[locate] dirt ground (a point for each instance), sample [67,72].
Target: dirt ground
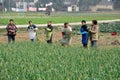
[105,39]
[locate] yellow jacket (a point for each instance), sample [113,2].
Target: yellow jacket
[48,32]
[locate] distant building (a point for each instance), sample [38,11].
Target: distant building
[24,6]
[103,5]
[71,5]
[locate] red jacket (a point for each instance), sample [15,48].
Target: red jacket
[11,29]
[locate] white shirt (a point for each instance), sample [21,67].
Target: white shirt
[69,29]
[32,32]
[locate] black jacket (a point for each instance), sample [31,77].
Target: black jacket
[84,27]
[50,27]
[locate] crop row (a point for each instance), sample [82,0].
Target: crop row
[103,27]
[36,61]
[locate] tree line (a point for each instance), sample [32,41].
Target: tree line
[59,4]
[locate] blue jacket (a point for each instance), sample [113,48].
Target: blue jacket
[84,33]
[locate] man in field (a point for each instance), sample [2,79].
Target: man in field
[66,34]
[11,31]
[84,32]
[49,32]
[32,29]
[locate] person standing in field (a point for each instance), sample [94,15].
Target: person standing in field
[32,29]
[66,34]
[11,31]
[49,32]
[94,33]
[84,33]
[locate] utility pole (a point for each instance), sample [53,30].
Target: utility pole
[9,6]
[77,2]
[3,8]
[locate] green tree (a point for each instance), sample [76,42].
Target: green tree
[58,4]
[84,4]
[9,4]
[116,4]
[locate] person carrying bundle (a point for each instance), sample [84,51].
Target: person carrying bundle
[32,29]
[66,34]
[49,32]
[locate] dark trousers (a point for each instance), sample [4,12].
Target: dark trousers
[94,43]
[32,40]
[50,41]
[11,38]
[85,45]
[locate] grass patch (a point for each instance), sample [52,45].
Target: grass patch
[41,18]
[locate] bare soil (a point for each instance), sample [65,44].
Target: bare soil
[105,39]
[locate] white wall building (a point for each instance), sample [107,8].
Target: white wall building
[72,5]
[22,6]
